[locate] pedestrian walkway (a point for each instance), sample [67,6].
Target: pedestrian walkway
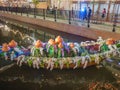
[82,31]
[105,26]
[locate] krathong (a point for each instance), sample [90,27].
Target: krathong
[59,54]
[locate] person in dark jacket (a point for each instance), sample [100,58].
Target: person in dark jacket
[89,15]
[89,12]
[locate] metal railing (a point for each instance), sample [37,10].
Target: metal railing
[64,16]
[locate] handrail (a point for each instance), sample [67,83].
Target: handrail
[67,16]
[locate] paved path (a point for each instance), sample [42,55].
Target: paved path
[105,26]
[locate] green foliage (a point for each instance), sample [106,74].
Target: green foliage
[35,2]
[104,48]
[79,62]
[71,54]
[92,58]
[42,64]
[67,64]
[56,64]
[30,62]
[2,54]
[51,51]
[59,53]
[37,52]
[118,45]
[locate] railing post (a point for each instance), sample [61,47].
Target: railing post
[21,11]
[7,9]
[35,12]
[69,16]
[4,9]
[11,9]
[114,22]
[16,9]
[88,24]
[44,14]
[55,14]
[28,11]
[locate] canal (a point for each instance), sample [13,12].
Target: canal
[25,78]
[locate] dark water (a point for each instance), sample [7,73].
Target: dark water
[25,78]
[22,78]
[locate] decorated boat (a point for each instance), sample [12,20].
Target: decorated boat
[59,54]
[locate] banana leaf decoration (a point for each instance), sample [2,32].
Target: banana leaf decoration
[60,50]
[1,52]
[72,50]
[37,49]
[79,62]
[92,58]
[118,45]
[84,53]
[42,64]
[59,53]
[51,48]
[30,62]
[56,63]
[51,51]
[104,48]
[67,62]
[37,52]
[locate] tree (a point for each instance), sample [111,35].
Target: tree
[35,2]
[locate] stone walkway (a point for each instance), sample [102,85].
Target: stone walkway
[105,26]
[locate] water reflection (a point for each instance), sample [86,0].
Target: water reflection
[57,79]
[21,37]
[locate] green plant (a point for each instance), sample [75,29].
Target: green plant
[35,2]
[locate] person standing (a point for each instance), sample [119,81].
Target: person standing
[89,15]
[103,13]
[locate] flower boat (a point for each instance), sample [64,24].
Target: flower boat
[59,54]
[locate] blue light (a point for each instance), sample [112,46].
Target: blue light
[82,10]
